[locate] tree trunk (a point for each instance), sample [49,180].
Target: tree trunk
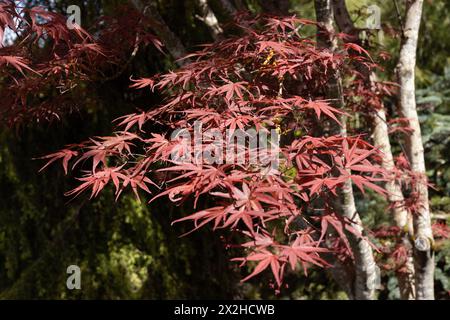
[395,197]
[423,244]
[381,140]
[169,39]
[366,272]
[210,19]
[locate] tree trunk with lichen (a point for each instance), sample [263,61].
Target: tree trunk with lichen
[380,135]
[423,244]
[209,19]
[366,272]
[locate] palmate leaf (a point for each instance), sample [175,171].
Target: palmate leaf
[201,218]
[17,62]
[130,120]
[304,255]
[339,224]
[231,89]
[320,107]
[265,259]
[97,182]
[120,179]
[357,48]
[65,155]
[361,182]
[142,83]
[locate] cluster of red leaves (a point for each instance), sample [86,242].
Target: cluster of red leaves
[367,97]
[410,182]
[45,68]
[441,230]
[393,254]
[393,251]
[270,76]
[400,125]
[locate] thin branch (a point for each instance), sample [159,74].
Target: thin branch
[399,17]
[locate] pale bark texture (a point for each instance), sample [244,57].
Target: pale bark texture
[366,272]
[406,281]
[381,139]
[210,19]
[423,244]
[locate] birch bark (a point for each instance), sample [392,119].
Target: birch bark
[423,244]
[210,19]
[366,272]
[380,134]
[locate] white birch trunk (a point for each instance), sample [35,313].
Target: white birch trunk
[395,198]
[366,272]
[423,244]
[210,19]
[381,140]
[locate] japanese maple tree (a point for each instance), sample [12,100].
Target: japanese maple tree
[274,134]
[269,78]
